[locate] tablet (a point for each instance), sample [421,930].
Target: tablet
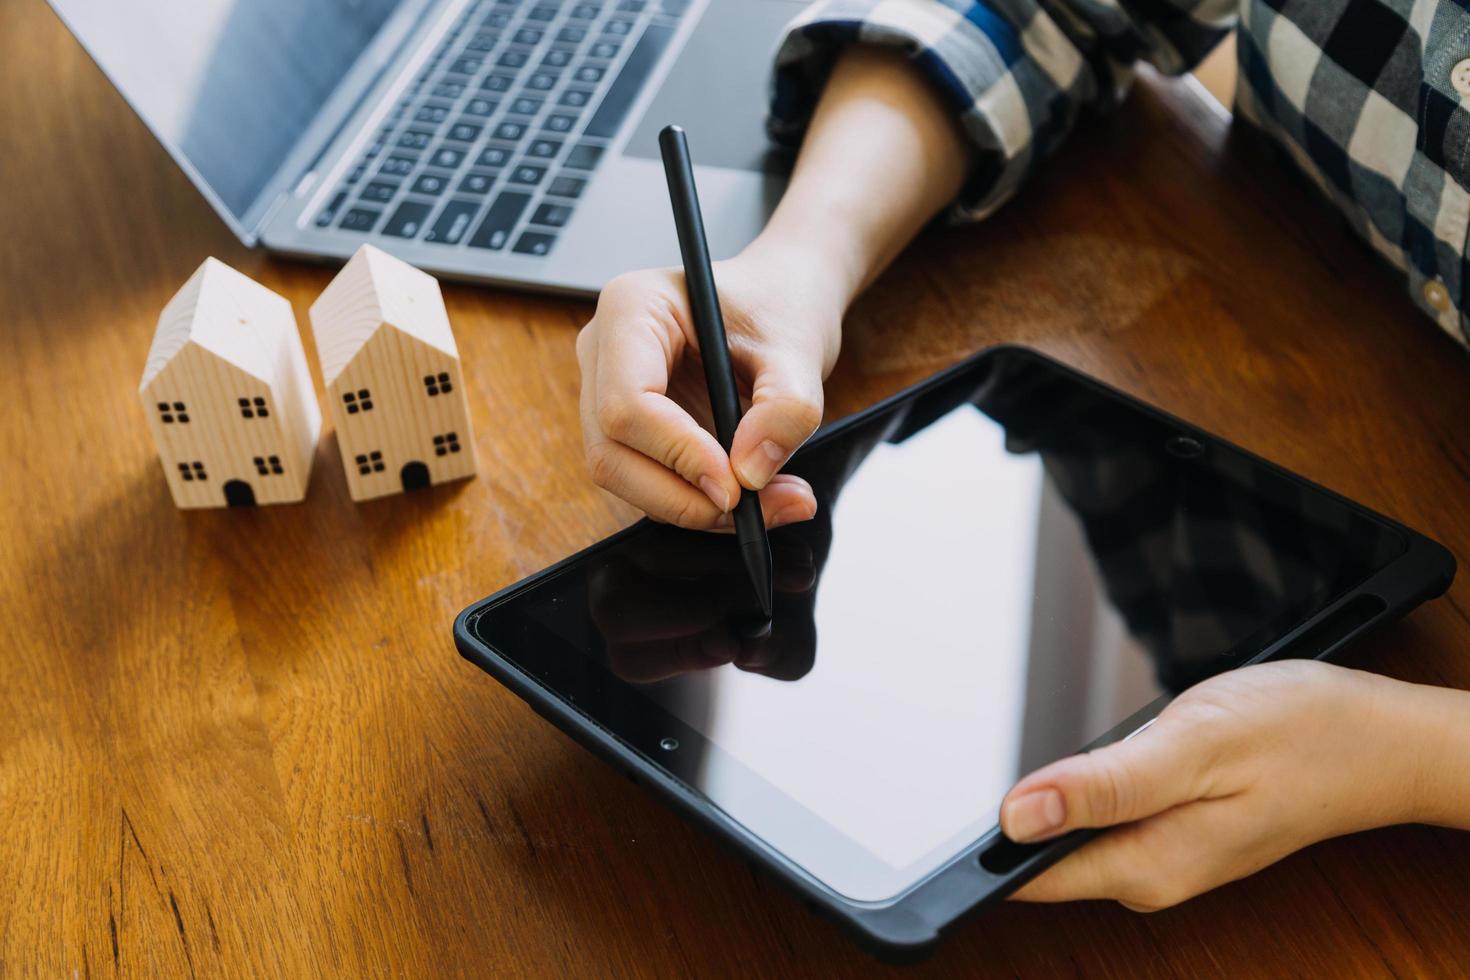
[1010,562]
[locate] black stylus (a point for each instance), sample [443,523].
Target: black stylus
[719,373]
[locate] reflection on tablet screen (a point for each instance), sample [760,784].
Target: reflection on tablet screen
[1001,572]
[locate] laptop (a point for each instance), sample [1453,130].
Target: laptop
[504,141]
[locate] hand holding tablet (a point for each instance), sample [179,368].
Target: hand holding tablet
[1235,774]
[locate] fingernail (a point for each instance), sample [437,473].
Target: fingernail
[716,493]
[1034,815]
[726,519]
[757,469]
[790,514]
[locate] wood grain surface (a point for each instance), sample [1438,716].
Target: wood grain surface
[241,743]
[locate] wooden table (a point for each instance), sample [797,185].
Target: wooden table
[241,743]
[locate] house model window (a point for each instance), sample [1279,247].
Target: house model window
[437,383]
[175,412]
[370,462]
[193,471]
[266,465]
[360,400]
[253,408]
[447,443]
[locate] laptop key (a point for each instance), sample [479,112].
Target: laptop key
[543,13]
[571,35]
[534,243]
[620,26]
[556,58]
[476,183]
[584,11]
[512,59]
[447,157]
[465,66]
[480,107]
[559,123]
[453,222]
[584,156]
[494,156]
[356,175]
[431,114]
[527,35]
[408,220]
[526,106]
[463,132]
[380,191]
[527,174]
[482,42]
[360,219]
[589,74]
[543,149]
[567,187]
[500,220]
[552,215]
[431,184]
[542,81]
[497,83]
[397,166]
[510,131]
[619,98]
[449,90]
[574,97]
[603,49]
[330,211]
[414,139]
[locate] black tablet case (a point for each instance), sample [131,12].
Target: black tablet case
[907,927]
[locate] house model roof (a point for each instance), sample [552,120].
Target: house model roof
[229,315]
[375,290]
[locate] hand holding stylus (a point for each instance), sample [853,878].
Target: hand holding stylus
[645,415]
[645,408]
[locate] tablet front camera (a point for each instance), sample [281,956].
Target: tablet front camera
[1184,447]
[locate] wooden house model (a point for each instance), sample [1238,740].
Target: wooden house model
[392,371]
[228,395]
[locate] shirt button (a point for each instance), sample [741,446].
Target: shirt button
[1436,295]
[1460,77]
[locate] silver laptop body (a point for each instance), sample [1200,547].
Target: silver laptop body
[503,141]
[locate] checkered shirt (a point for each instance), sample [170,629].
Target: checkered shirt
[1365,96]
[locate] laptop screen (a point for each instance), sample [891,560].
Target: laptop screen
[228,86]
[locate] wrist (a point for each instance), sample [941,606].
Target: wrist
[831,271]
[1436,750]
[806,284]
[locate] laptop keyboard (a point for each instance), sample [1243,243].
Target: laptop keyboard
[494,142]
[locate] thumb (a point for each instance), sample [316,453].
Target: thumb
[785,409]
[1120,783]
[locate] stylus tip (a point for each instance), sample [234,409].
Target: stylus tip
[754,628]
[757,555]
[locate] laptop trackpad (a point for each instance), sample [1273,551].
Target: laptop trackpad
[717,88]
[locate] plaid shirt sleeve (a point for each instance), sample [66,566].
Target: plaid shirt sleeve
[1016,72]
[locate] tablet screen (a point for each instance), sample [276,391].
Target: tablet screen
[1005,569]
